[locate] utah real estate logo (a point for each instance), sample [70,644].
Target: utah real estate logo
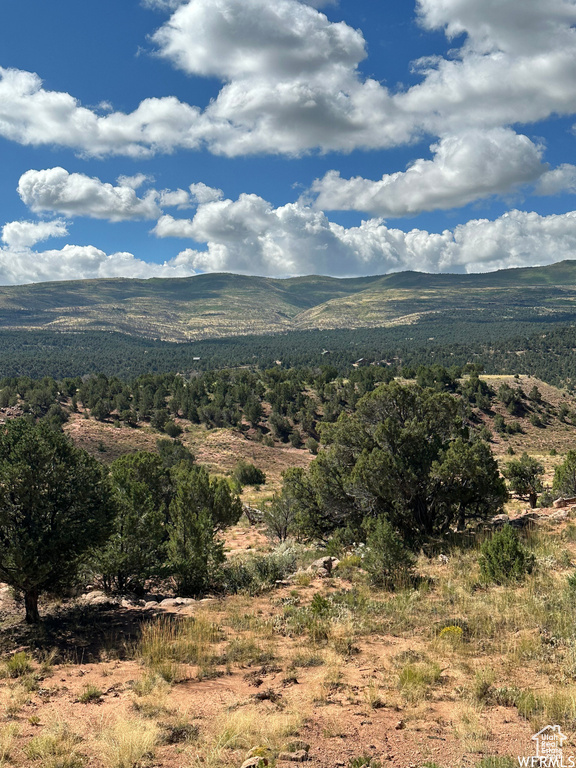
[549,744]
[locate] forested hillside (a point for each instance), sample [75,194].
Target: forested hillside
[213,306]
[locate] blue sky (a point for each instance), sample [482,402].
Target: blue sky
[276,137]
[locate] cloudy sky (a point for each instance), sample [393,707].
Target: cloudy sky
[150,138]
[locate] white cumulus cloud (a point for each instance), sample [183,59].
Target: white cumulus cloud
[465,167]
[75,194]
[23,234]
[561,179]
[202,193]
[291,83]
[250,236]
[290,39]
[75,262]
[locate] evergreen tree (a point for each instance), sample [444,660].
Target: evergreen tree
[135,549]
[201,507]
[525,477]
[564,483]
[55,503]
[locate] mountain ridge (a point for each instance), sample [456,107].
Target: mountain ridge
[216,305]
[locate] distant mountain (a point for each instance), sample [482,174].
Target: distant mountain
[222,305]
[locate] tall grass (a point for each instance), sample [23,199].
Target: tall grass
[56,747]
[165,643]
[127,742]
[8,735]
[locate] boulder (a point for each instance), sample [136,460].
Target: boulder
[499,520]
[300,756]
[98,597]
[93,595]
[560,514]
[176,602]
[327,564]
[5,593]
[523,521]
[297,744]
[255,762]
[562,502]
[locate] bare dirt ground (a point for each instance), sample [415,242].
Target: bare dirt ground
[380,682]
[218,449]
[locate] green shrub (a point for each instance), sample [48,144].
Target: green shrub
[91,693]
[257,573]
[388,562]
[312,445]
[18,665]
[172,429]
[564,483]
[247,474]
[503,558]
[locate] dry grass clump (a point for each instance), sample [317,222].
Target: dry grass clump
[8,736]
[470,730]
[18,665]
[416,679]
[90,694]
[56,747]
[304,659]
[126,743]
[246,651]
[250,726]
[166,643]
[13,699]
[151,695]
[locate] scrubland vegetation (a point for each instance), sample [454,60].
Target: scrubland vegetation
[373,612]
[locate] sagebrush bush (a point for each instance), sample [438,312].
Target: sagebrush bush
[257,573]
[503,558]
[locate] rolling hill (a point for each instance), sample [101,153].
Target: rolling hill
[212,306]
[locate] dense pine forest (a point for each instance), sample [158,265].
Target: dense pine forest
[542,350]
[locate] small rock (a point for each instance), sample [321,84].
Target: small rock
[169,602]
[97,597]
[93,595]
[297,745]
[400,725]
[258,752]
[324,563]
[295,757]
[443,559]
[255,762]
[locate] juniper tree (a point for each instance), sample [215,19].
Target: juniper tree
[55,503]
